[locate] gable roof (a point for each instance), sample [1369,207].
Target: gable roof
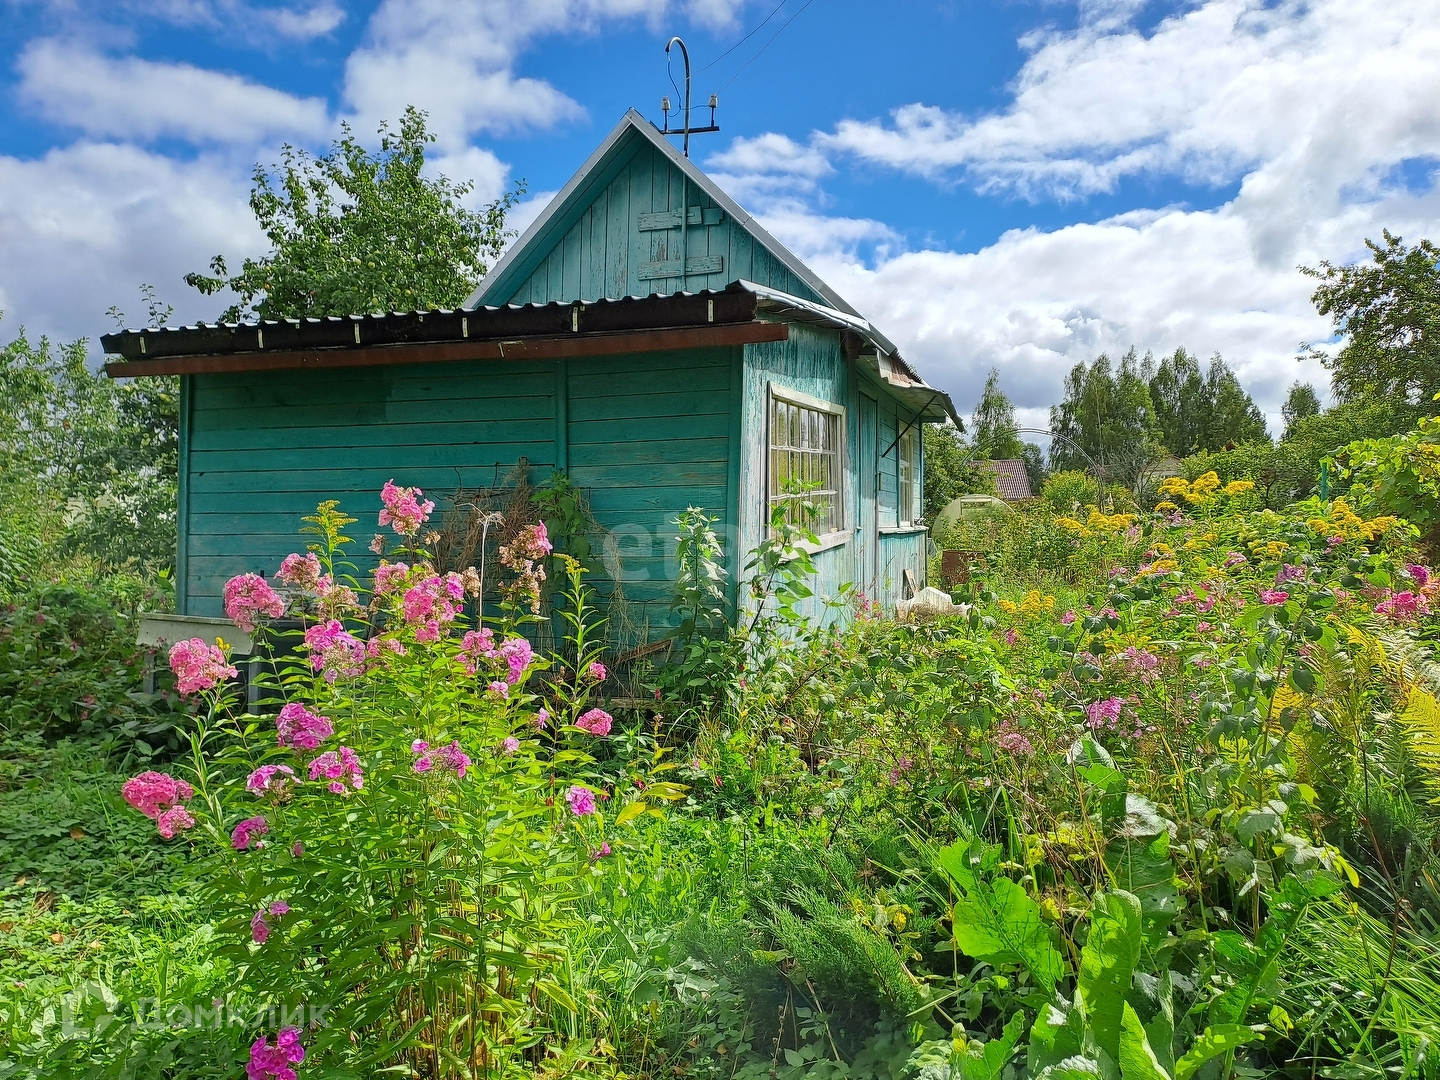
[570,203]
[1011,479]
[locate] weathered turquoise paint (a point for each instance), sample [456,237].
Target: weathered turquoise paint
[612,247]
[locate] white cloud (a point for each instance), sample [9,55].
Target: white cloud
[131,98]
[83,226]
[456,58]
[1310,106]
[255,23]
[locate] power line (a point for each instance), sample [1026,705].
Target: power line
[759,26]
[766,45]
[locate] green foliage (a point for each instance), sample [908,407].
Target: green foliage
[89,465]
[1202,413]
[1389,310]
[994,432]
[353,231]
[1068,489]
[1301,403]
[951,469]
[1106,422]
[1399,475]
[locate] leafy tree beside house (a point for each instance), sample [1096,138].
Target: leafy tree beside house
[354,231]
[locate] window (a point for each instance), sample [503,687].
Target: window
[805,441]
[909,477]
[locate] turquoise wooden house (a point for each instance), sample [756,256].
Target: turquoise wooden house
[645,335]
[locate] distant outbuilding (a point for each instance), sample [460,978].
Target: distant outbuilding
[1011,480]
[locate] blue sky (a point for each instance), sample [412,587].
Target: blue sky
[1010,183]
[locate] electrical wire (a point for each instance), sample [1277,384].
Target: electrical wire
[765,46]
[759,26]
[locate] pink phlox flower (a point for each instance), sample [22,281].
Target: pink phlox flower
[274,1062]
[510,745]
[300,571]
[1109,613]
[1291,572]
[1202,627]
[377,544]
[270,780]
[152,793]
[1104,714]
[603,851]
[1010,637]
[298,728]
[333,596]
[174,820]
[335,651]
[259,924]
[404,512]
[1403,606]
[249,832]
[542,720]
[1185,596]
[429,603]
[900,768]
[454,759]
[597,671]
[338,767]
[1418,574]
[596,722]
[247,598]
[500,688]
[1068,619]
[1234,559]
[1142,663]
[389,577]
[1273,597]
[474,645]
[581,800]
[518,655]
[1207,605]
[524,556]
[198,665]
[1332,542]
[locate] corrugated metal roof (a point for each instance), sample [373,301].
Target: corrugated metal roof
[1011,479]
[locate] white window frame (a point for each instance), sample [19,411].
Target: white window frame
[908,516]
[840,532]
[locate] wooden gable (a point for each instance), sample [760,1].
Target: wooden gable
[616,230]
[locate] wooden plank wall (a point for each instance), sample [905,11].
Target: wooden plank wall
[264,449]
[810,362]
[650,435]
[601,253]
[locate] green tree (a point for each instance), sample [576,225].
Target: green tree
[1106,422]
[1195,412]
[1389,310]
[351,231]
[994,432]
[1300,403]
[950,469]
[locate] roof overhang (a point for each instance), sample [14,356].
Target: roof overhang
[533,332]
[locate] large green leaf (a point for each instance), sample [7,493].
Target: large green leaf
[1057,1034]
[1144,869]
[1106,965]
[986,1061]
[996,922]
[1137,1059]
[1211,1043]
[1072,1068]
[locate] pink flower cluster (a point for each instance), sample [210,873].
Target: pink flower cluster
[524,556]
[442,759]
[1403,606]
[270,780]
[432,602]
[300,571]
[1273,597]
[1141,663]
[1291,572]
[900,768]
[260,927]
[404,512]
[335,651]
[1012,741]
[338,768]
[389,577]
[248,597]
[597,722]
[249,832]
[517,654]
[298,728]
[1104,715]
[597,671]
[581,800]
[1234,559]
[510,745]
[1419,574]
[274,1062]
[159,797]
[198,666]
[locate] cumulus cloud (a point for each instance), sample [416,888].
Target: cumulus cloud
[458,57]
[1310,106]
[130,98]
[252,22]
[83,226]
